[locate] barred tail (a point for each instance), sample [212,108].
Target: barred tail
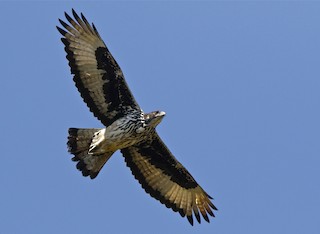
[79,141]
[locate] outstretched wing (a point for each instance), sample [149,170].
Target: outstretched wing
[165,179]
[97,75]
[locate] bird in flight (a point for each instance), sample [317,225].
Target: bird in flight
[103,88]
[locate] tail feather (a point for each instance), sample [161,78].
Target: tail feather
[79,141]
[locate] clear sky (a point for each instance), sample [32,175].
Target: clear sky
[239,82]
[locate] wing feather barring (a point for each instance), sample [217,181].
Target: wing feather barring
[103,88]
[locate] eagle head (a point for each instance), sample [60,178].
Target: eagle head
[154,118]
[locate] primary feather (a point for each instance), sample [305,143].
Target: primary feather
[103,88]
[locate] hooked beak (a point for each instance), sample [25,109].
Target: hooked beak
[161,114]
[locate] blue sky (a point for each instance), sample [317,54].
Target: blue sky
[239,82]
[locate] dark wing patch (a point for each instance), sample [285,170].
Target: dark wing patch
[164,178]
[97,75]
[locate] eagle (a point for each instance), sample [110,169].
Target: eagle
[103,88]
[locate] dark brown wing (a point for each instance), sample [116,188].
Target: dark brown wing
[97,75]
[165,179]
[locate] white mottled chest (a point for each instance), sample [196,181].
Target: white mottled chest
[120,134]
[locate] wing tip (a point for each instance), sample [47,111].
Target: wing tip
[74,13]
[190,219]
[197,217]
[68,17]
[61,31]
[205,216]
[77,18]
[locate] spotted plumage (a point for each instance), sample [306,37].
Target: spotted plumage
[103,88]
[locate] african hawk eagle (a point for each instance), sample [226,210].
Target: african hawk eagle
[103,88]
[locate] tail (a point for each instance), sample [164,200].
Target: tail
[79,141]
